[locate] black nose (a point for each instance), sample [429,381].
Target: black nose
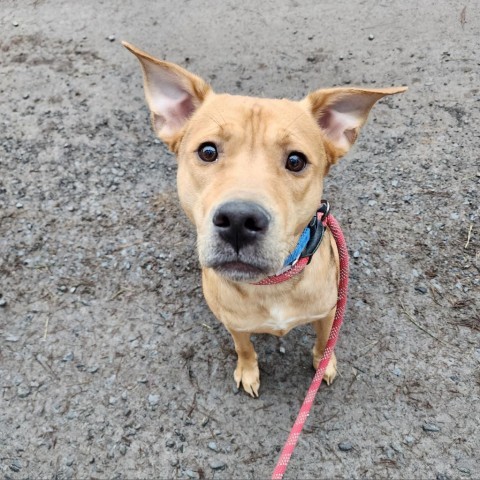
[240,223]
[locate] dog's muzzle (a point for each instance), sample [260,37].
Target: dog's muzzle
[237,248]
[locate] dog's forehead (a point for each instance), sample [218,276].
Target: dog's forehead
[280,118]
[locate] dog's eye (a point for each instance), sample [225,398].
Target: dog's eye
[208,152]
[296,162]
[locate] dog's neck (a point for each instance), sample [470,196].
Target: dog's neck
[307,245]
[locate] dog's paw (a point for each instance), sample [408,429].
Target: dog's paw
[331,370]
[248,375]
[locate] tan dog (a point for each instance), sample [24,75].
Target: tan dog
[250,178]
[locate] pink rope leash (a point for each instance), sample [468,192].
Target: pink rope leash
[302,416]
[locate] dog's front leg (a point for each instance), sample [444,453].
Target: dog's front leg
[247,372]
[322,329]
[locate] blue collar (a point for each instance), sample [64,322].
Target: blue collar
[311,237]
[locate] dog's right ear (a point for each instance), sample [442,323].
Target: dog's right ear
[172,94]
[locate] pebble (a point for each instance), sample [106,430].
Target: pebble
[26,96]
[204,421]
[23,391]
[216,464]
[68,357]
[170,443]
[191,474]
[409,440]
[371,37]
[281,349]
[15,466]
[12,338]
[153,399]
[442,476]
[15,23]
[111,38]
[430,427]
[345,446]
[356,254]
[19,205]
[421,289]
[397,371]
[122,449]
[3,302]
[174,462]
[112,400]
[213,446]
[394,183]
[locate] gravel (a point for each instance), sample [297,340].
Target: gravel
[97,188]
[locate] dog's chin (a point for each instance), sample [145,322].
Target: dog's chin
[239,271]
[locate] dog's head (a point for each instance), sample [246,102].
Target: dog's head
[250,170]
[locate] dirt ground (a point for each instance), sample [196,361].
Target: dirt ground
[111,364]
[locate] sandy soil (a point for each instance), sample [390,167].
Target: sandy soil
[112,366]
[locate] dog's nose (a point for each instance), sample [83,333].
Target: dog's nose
[240,223]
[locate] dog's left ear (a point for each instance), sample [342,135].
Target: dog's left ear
[341,112]
[172,94]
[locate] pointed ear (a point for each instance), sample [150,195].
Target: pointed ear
[341,112]
[172,94]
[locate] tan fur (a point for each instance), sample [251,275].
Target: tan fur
[255,136]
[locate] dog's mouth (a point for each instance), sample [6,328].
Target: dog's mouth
[240,271]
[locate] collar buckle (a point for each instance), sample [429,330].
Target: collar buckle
[317,230]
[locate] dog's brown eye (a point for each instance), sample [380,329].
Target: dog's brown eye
[296,162]
[208,152]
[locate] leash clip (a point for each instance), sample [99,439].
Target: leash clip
[317,229]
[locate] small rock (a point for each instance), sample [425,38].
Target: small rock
[371,37]
[68,357]
[170,443]
[394,183]
[204,421]
[3,302]
[409,440]
[19,205]
[12,338]
[15,23]
[92,369]
[430,427]
[216,464]
[69,462]
[213,446]
[174,462]
[73,289]
[112,400]
[345,446]
[153,399]
[122,449]
[281,349]
[111,38]
[442,476]
[191,474]
[23,391]
[397,371]
[397,447]
[15,466]
[356,254]
[421,289]
[26,96]
[464,470]
[124,396]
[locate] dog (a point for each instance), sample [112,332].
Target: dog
[250,178]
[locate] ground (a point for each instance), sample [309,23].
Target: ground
[111,364]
